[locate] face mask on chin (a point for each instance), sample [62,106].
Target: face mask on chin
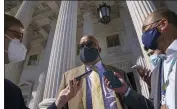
[149,38]
[16,50]
[154,60]
[88,54]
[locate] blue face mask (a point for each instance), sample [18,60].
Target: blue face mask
[149,38]
[154,60]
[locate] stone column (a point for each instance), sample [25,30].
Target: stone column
[133,42]
[88,24]
[138,11]
[43,65]
[62,56]
[24,14]
[40,90]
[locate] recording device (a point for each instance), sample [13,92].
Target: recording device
[83,75]
[136,67]
[114,81]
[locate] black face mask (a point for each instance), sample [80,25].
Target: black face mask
[88,54]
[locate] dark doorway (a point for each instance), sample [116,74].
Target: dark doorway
[132,80]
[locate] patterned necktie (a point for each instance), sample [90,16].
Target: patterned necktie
[97,96]
[96,92]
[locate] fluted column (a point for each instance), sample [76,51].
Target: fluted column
[24,14]
[43,65]
[133,42]
[40,90]
[138,11]
[62,56]
[88,25]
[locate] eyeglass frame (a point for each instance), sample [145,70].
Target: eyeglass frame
[21,34]
[144,27]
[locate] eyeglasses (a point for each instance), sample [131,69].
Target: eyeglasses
[17,35]
[87,44]
[144,27]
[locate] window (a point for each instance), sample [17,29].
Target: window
[33,59]
[112,41]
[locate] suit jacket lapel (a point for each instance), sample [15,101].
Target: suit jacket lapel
[83,91]
[176,88]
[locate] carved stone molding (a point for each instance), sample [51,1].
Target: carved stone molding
[9,4]
[87,6]
[53,16]
[34,26]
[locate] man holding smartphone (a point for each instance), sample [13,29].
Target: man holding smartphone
[93,94]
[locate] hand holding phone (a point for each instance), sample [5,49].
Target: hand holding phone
[114,81]
[83,75]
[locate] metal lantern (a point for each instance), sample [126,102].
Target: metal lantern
[104,13]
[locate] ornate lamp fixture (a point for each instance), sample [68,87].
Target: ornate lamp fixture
[104,13]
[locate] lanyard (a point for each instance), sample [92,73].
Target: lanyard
[166,83]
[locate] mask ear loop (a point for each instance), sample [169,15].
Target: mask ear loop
[10,39]
[13,42]
[7,36]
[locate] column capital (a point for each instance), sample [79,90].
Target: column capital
[46,102]
[87,6]
[34,26]
[53,16]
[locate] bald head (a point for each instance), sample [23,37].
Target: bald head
[167,14]
[87,38]
[165,22]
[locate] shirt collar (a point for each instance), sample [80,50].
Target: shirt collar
[172,48]
[97,65]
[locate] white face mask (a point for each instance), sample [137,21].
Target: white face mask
[16,50]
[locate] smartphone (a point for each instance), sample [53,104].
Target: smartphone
[114,81]
[136,67]
[140,72]
[83,75]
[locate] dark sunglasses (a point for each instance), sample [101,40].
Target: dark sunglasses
[87,44]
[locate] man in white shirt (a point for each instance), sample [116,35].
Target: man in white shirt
[159,32]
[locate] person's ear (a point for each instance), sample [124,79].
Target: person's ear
[163,24]
[99,49]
